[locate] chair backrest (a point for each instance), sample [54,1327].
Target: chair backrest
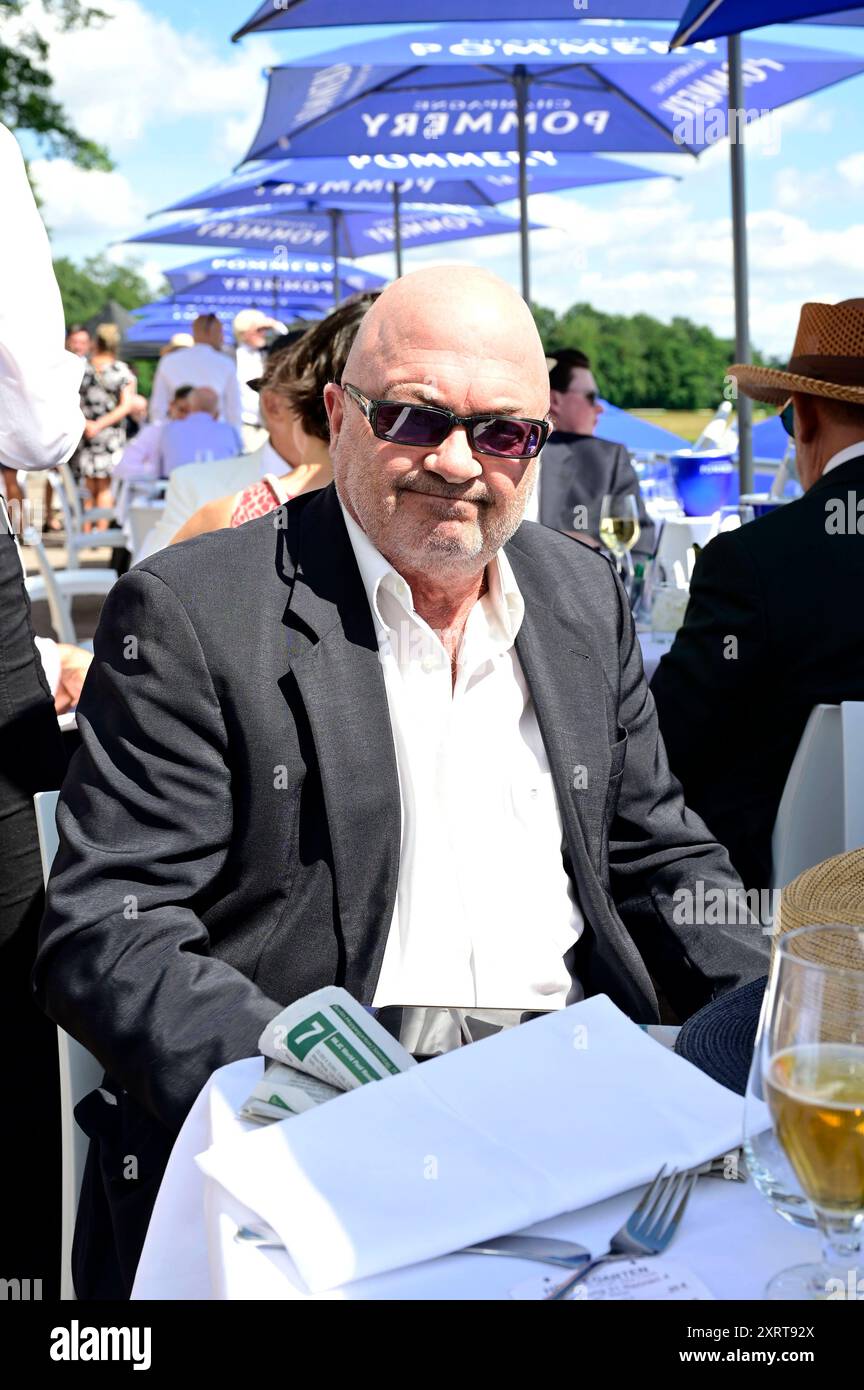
[821,811]
[80,1073]
[58,605]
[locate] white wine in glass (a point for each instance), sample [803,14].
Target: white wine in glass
[619,528]
[813,1080]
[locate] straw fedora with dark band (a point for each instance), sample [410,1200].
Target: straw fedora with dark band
[827,359]
[719,1039]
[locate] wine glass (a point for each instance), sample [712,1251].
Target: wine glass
[813,1081]
[619,529]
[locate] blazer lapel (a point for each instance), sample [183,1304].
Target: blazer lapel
[333,659]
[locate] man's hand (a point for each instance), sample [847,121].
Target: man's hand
[74,664]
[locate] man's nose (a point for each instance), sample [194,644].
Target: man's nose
[598,406]
[453,458]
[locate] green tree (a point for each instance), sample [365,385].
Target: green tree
[639,361]
[26,101]
[84,289]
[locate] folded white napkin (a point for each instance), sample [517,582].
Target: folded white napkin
[538,1120]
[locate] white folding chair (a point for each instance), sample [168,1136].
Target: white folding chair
[80,1074]
[821,811]
[74,517]
[59,587]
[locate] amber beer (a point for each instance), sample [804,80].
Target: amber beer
[816,1096]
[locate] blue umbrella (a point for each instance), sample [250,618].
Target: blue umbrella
[190,301]
[615,89]
[639,436]
[317,14]
[261,276]
[708,19]
[477,179]
[571,87]
[359,232]
[289,184]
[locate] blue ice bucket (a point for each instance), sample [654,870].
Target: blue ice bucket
[705,481]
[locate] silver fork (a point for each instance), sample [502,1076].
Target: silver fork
[648,1229]
[547,1250]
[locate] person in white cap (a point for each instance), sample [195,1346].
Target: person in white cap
[250,336]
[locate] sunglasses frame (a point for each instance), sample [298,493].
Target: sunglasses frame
[370,409]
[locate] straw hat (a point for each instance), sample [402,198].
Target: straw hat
[827,359]
[719,1038]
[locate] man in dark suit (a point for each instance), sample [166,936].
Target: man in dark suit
[578,470]
[774,625]
[395,741]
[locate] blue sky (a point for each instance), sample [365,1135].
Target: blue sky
[176,103]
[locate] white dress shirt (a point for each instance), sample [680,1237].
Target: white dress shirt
[40,408]
[485,910]
[200,365]
[196,439]
[852,451]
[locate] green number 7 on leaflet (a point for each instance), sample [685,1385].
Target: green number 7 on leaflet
[306,1034]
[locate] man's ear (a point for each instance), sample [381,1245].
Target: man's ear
[806,417]
[334,404]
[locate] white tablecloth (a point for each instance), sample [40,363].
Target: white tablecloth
[730,1237]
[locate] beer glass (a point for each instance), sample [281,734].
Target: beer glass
[813,1082]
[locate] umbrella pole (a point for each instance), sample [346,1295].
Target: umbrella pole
[739,256]
[334,241]
[397,229]
[520,83]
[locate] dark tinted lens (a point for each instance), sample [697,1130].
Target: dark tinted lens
[506,438]
[787,419]
[415,425]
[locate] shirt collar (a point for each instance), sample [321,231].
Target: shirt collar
[852,451]
[505,606]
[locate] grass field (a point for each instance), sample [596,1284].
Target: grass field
[689,424]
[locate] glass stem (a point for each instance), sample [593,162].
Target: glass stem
[629,572]
[841,1250]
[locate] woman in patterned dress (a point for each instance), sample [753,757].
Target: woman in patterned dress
[292,403]
[108,395]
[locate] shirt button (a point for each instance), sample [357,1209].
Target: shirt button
[428,663]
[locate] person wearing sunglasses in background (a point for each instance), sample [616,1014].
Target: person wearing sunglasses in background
[775,624]
[385,737]
[578,470]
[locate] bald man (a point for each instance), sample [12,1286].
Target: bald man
[387,737]
[199,437]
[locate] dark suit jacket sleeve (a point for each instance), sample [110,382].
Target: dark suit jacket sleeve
[624,480]
[145,819]
[701,686]
[658,849]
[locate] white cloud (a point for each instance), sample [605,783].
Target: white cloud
[663,257]
[851,171]
[77,203]
[125,78]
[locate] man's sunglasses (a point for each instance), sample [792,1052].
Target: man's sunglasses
[787,418]
[592,397]
[427,426]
